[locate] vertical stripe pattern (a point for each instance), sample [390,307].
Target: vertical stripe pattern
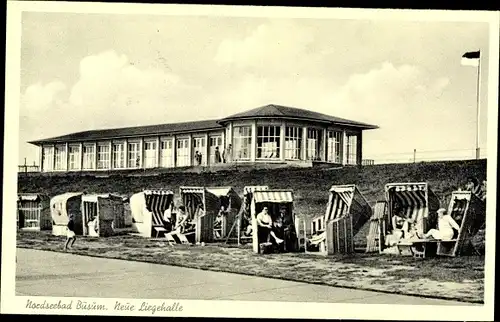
[156,203]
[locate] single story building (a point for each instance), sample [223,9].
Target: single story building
[267,134]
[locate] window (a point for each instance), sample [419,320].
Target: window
[134,156]
[293,143]
[48,158]
[60,157]
[183,153]
[118,155]
[268,142]
[199,145]
[166,154]
[150,154]
[242,142]
[312,144]
[74,157]
[88,157]
[215,144]
[352,149]
[103,156]
[334,146]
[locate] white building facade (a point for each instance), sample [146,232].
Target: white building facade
[269,134]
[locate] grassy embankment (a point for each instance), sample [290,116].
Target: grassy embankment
[460,278]
[310,185]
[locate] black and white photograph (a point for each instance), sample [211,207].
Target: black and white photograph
[201,160]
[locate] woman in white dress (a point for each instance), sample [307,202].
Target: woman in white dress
[446,226]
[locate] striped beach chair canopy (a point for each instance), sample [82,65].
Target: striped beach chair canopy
[94,197]
[157,201]
[220,191]
[251,189]
[62,198]
[339,201]
[31,196]
[412,200]
[184,190]
[275,195]
[408,195]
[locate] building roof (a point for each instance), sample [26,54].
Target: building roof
[268,111]
[160,129]
[272,111]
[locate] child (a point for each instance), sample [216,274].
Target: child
[71,237]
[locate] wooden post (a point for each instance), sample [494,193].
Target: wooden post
[158,156]
[282,141]
[414,155]
[40,158]
[53,157]
[323,144]
[174,151]
[190,150]
[207,150]
[141,153]
[110,166]
[359,148]
[253,144]
[95,156]
[304,144]
[80,156]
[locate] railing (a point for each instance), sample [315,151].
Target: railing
[367,162]
[28,168]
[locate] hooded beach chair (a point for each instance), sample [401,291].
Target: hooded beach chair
[100,214]
[414,201]
[469,211]
[147,209]
[231,202]
[243,218]
[33,211]
[274,200]
[61,206]
[346,213]
[202,207]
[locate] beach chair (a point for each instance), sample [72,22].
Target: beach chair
[346,213]
[418,202]
[378,224]
[470,214]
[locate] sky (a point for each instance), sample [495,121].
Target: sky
[92,71]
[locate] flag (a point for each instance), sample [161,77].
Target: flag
[471,58]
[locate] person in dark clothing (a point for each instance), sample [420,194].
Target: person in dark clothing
[218,158]
[71,236]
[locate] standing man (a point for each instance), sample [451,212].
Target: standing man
[227,155]
[217,155]
[71,236]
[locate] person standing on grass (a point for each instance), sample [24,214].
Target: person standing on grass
[71,236]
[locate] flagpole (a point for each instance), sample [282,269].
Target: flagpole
[478,104]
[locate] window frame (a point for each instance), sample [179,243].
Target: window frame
[103,163]
[242,143]
[293,134]
[86,157]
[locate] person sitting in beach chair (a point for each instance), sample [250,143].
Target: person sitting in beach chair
[218,222]
[182,219]
[400,229]
[167,218]
[446,227]
[265,227]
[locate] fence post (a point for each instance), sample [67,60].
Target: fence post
[414,155]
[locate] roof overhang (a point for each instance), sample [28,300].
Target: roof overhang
[244,118]
[110,137]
